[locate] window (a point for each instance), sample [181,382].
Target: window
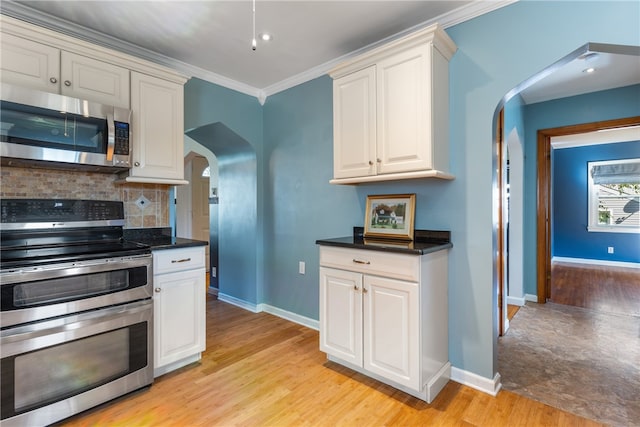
[614,196]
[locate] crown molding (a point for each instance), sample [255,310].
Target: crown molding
[25,13]
[457,16]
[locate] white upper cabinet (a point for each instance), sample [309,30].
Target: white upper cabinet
[87,78]
[391,111]
[29,64]
[42,67]
[158,130]
[354,122]
[45,60]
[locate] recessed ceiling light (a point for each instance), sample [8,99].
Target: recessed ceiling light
[265,37]
[589,70]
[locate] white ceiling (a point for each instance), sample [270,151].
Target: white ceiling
[212,39]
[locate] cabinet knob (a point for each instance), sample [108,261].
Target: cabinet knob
[370,163]
[158,290]
[67,83]
[53,80]
[355,288]
[136,164]
[378,160]
[364,290]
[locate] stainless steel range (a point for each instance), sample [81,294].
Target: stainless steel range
[76,319]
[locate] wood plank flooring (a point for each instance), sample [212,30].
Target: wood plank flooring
[601,288]
[260,370]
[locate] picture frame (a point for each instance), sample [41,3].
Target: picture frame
[390,216]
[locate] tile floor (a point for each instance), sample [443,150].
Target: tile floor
[579,360]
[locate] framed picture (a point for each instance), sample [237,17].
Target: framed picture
[390,216]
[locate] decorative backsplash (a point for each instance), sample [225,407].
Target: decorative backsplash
[145,205]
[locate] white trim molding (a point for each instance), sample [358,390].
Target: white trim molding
[238,302]
[531,297]
[596,262]
[290,316]
[475,381]
[519,301]
[23,12]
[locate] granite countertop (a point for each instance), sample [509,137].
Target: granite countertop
[160,238]
[425,241]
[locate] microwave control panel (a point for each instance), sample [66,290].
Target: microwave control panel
[121,139]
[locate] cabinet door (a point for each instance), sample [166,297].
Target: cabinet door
[341,314]
[391,330]
[158,130]
[94,80]
[404,116]
[354,124]
[179,316]
[29,64]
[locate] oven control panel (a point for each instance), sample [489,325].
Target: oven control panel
[61,210]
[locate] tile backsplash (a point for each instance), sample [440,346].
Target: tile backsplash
[145,205]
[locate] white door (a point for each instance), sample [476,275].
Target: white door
[200,203]
[391,330]
[404,116]
[341,314]
[354,124]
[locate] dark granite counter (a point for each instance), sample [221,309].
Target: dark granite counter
[159,238]
[425,241]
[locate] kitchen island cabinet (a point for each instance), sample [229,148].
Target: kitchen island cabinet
[384,313]
[179,307]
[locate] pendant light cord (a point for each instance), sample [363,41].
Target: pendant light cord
[253,41]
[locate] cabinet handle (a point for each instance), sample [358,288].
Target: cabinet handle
[358,261]
[136,164]
[173,261]
[158,290]
[67,83]
[53,80]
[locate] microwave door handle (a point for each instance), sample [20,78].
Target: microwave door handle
[111,137]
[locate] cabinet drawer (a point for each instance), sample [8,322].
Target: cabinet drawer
[171,260]
[386,264]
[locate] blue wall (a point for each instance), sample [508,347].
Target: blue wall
[496,52]
[593,107]
[570,205]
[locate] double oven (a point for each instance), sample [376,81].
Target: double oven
[76,319]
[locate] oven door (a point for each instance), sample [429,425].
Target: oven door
[56,368]
[31,294]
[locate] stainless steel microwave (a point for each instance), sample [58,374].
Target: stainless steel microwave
[51,130]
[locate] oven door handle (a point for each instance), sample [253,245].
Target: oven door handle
[21,339]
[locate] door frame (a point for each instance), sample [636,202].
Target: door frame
[543,221]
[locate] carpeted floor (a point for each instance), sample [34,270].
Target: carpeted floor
[579,360]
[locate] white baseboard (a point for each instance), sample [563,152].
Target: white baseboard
[516,301]
[486,385]
[531,297]
[288,315]
[238,302]
[596,262]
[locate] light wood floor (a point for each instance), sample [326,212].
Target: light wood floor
[260,370]
[601,288]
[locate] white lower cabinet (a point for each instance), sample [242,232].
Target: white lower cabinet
[179,304]
[394,330]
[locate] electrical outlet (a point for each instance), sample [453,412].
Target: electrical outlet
[301,267]
[610,249]
[214,272]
